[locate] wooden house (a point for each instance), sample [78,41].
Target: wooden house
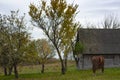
[104,42]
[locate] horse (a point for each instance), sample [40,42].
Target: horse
[97,63]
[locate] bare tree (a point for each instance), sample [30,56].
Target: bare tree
[111,22]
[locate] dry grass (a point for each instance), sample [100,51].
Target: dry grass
[52,72]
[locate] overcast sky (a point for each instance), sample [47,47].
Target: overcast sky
[91,11]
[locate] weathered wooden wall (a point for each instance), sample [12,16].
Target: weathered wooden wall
[111,60]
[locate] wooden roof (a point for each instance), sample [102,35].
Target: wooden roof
[100,41]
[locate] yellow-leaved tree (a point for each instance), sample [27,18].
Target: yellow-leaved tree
[57,21]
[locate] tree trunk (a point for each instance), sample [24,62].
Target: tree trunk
[15,71]
[42,70]
[65,63]
[10,70]
[76,60]
[63,69]
[5,71]
[77,63]
[62,62]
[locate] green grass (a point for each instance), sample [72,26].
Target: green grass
[52,72]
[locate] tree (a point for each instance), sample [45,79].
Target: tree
[16,39]
[78,50]
[20,36]
[57,20]
[4,58]
[4,46]
[31,56]
[45,51]
[111,22]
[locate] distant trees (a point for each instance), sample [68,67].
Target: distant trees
[111,22]
[45,51]
[57,20]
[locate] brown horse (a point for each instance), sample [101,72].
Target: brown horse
[97,63]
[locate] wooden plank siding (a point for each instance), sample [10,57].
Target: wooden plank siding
[104,42]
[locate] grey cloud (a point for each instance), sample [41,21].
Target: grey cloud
[91,10]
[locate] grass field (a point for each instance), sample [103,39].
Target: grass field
[52,72]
